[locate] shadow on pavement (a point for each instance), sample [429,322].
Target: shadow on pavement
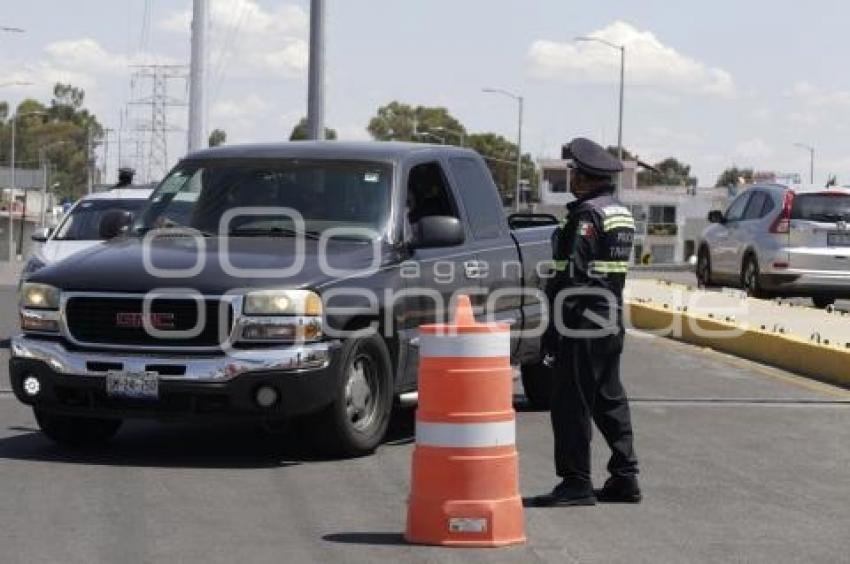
[149,444]
[378,539]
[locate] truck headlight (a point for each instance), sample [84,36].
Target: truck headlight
[39,296]
[283,302]
[289,329]
[281,316]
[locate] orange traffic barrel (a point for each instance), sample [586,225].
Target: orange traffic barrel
[465,476]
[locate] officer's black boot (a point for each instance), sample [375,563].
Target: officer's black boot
[566,494]
[620,489]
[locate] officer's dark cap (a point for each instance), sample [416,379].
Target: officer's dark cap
[591,158]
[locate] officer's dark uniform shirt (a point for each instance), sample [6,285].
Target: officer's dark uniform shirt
[591,251]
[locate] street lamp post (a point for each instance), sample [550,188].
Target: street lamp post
[45,165]
[622,49]
[316,72]
[520,103]
[811,151]
[14,121]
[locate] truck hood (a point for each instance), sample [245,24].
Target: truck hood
[119,265]
[57,250]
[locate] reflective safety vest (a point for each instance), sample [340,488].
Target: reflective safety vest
[591,250]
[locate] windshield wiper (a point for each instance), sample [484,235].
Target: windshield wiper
[272,232]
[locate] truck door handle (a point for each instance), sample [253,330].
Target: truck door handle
[473,269]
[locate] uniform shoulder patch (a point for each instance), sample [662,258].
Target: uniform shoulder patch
[585,229]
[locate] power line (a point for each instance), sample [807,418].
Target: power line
[144,35]
[155,128]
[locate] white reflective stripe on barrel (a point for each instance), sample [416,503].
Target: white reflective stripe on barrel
[466,435]
[466,345]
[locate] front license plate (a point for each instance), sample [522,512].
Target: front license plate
[132,385]
[838,239]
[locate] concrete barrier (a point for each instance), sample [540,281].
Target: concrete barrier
[828,363]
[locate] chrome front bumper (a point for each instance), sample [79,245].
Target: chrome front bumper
[219,368]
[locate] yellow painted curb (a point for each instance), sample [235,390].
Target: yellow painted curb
[819,361]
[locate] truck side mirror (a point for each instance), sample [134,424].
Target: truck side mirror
[113,223]
[437,231]
[716,216]
[42,235]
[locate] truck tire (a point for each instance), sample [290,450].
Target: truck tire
[356,422]
[75,431]
[537,383]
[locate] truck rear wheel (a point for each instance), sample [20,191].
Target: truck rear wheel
[537,383]
[356,422]
[75,431]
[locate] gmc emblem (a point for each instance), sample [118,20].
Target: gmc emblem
[133,320]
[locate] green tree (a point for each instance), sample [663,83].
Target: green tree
[669,172]
[500,155]
[627,156]
[397,121]
[299,132]
[58,131]
[217,137]
[401,122]
[732,175]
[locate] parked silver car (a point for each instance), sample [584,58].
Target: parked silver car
[776,240]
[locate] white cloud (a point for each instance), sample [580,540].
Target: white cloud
[247,108]
[250,38]
[762,114]
[818,97]
[754,149]
[649,63]
[86,54]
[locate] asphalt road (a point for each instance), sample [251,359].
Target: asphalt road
[740,463]
[8,314]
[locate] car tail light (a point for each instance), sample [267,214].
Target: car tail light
[780,264]
[782,224]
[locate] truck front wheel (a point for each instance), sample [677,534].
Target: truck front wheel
[537,383]
[356,422]
[75,431]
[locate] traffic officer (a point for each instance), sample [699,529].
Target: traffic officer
[125,177]
[591,252]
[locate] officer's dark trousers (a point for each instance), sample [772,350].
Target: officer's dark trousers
[587,386]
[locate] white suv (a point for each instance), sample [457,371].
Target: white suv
[782,241]
[81,227]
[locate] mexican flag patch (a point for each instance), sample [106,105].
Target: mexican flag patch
[585,229]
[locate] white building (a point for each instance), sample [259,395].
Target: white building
[668,219]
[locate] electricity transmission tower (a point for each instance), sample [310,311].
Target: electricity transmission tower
[155,80]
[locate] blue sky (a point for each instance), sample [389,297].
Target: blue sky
[712,83]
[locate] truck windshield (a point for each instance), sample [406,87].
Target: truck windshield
[822,207]
[327,194]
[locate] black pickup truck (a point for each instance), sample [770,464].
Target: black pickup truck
[270,282]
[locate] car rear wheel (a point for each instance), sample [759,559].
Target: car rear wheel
[537,384]
[75,431]
[750,277]
[356,422]
[703,271]
[823,302]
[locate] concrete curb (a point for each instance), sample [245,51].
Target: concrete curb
[819,361]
